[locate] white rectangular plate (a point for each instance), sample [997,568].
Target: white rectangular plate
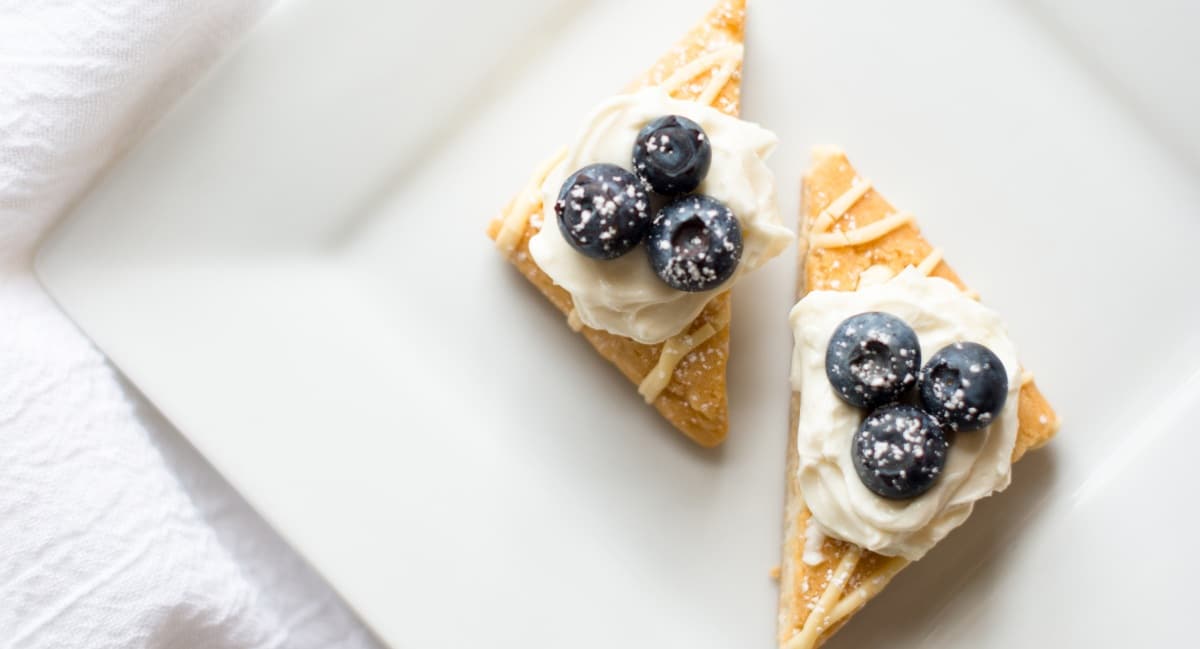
[292,266]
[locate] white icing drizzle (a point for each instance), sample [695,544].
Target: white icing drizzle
[868,589]
[858,188]
[930,262]
[1026,377]
[717,83]
[819,238]
[674,350]
[865,234]
[573,321]
[730,56]
[854,600]
[526,203]
[819,618]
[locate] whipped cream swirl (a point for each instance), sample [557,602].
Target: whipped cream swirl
[624,296]
[978,464]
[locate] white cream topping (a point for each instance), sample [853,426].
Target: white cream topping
[673,351]
[624,296]
[978,464]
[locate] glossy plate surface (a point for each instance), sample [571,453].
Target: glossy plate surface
[292,266]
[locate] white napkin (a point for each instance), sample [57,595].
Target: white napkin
[113,531]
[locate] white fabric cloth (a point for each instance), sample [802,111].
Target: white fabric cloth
[113,531]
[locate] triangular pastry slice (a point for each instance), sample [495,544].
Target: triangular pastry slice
[855,240]
[683,374]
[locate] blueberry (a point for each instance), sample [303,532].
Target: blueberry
[672,155]
[694,243]
[602,211]
[899,451]
[873,358]
[964,386]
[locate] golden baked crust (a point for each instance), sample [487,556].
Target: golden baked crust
[839,268]
[694,400]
